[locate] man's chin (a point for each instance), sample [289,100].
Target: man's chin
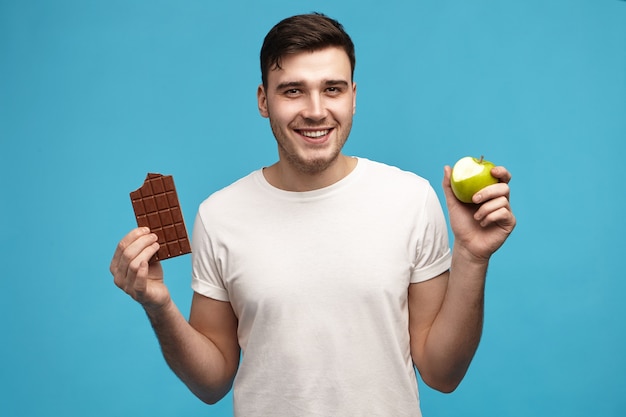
[313,166]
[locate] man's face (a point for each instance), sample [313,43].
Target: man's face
[310,102]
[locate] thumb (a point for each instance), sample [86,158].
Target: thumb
[141,280]
[447,189]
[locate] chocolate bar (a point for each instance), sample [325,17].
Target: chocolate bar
[156,206]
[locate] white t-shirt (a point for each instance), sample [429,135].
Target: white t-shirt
[319,281]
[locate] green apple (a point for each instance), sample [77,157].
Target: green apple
[469,176]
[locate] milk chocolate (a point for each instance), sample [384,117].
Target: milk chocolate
[157,207]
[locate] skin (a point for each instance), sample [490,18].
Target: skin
[446,313]
[314,92]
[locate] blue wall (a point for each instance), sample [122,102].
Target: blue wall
[94,94]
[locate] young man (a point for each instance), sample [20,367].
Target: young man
[332,274]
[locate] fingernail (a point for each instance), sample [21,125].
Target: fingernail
[477,198]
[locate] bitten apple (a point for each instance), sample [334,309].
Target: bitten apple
[469,176]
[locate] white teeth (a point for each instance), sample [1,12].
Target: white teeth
[314,134]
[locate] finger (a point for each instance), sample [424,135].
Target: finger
[126,241]
[503,217]
[447,172]
[501,173]
[491,206]
[133,278]
[140,281]
[500,189]
[129,251]
[447,189]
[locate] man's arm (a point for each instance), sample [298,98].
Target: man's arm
[204,352]
[446,312]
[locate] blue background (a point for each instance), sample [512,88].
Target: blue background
[95,94]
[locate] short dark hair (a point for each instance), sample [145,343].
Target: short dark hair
[306,32]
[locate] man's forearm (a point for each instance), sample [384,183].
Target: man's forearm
[194,358]
[456,332]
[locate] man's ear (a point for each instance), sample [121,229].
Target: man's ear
[354,98]
[262,101]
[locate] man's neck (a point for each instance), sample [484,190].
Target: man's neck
[286,177]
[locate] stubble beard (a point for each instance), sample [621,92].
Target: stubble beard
[308,166]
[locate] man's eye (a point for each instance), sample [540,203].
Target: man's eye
[292,91]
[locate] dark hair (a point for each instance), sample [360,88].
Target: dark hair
[307,32]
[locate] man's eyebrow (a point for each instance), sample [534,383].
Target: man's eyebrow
[298,84]
[343,83]
[289,84]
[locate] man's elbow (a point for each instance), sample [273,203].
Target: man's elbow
[211,398]
[446,387]
[443,383]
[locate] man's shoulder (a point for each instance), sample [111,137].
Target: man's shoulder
[390,173]
[232,194]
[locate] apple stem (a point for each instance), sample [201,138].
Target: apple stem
[480,161]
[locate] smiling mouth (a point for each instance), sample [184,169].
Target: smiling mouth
[314,134]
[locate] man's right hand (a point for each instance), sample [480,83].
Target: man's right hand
[134,274]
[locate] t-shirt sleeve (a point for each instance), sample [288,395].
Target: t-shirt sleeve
[433,255]
[206,269]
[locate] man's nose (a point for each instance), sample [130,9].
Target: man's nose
[315,108]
